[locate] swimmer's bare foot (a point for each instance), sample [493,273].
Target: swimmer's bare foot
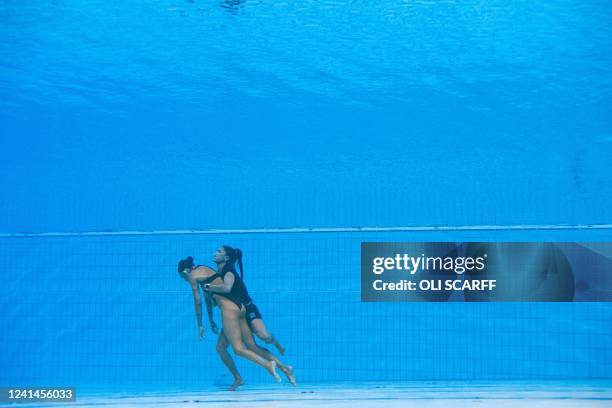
[237,383]
[288,370]
[271,367]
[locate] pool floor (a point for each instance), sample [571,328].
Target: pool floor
[497,394]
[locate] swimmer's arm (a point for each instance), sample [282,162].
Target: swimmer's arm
[225,287]
[209,309]
[197,303]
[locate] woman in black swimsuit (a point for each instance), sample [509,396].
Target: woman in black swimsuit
[203,275]
[199,275]
[225,257]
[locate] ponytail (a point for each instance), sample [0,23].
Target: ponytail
[235,255]
[238,254]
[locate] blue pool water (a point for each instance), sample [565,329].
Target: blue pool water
[182,115]
[118,115]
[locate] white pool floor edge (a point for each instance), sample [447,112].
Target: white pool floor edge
[498,394]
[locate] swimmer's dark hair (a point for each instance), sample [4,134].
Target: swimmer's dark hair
[184,264]
[235,255]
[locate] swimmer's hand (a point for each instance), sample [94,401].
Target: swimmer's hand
[201,333]
[214,328]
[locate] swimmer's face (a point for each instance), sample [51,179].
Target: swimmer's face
[185,273]
[219,256]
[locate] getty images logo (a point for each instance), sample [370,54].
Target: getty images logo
[413,264]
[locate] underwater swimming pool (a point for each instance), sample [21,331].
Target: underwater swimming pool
[110,313]
[135,134]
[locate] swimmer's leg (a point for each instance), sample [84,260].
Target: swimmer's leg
[249,341]
[262,332]
[233,319]
[222,344]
